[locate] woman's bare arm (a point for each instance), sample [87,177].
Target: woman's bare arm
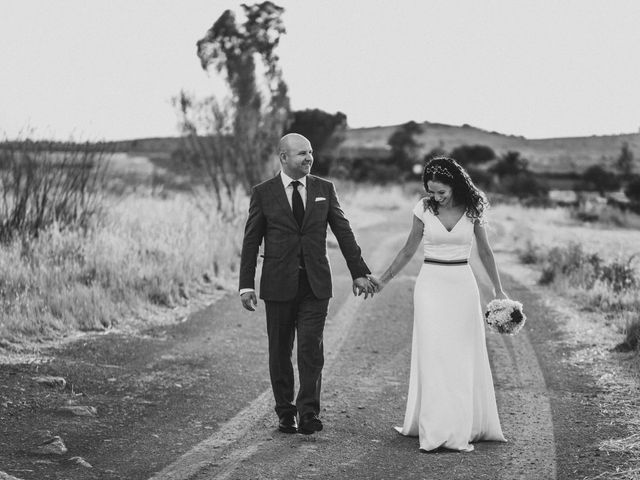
[404,255]
[486,256]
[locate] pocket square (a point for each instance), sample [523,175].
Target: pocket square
[320,199]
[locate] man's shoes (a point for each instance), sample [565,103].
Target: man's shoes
[309,423]
[288,423]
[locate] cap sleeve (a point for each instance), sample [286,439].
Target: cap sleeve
[418,210]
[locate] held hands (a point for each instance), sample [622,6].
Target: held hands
[377,283]
[363,285]
[367,285]
[249,300]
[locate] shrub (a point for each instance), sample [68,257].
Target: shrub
[45,183]
[632,190]
[619,275]
[467,155]
[598,178]
[404,147]
[547,276]
[524,185]
[631,341]
[584,216]
[585,269]
[571,261]
[481,178]
[625,161]
[516,179]
[530,254]
[633,334]
[510,164]
[324,130]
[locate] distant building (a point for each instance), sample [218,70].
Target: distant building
[618,199]
[563,198]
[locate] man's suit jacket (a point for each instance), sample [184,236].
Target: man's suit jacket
[271,219]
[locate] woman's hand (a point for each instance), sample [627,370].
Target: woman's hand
[501,295]
[376,283]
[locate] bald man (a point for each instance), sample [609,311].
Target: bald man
[290,213]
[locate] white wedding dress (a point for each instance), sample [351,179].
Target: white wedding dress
[451,400]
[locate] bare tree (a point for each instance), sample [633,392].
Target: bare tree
[233,140]
[45,183]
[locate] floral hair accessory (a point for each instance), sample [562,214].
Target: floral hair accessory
[439,170]
[505,316]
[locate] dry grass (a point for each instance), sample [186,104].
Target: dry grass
[152,251]
[620,474]
[630,444]
[607,316]
[533,232]
[612,217]
[554,226]
[146,251]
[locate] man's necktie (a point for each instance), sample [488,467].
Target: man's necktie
[296,203]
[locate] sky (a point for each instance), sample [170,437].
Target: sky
[108,69]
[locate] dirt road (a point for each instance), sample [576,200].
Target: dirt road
[192,400]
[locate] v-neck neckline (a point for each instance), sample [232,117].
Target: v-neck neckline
[454,225]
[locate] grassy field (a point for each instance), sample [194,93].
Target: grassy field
[556,226]
[147,255]
[597,264]
[158,246]
[591,274]
[150,252]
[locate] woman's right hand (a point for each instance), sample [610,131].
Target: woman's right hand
[376,283]
[501,295]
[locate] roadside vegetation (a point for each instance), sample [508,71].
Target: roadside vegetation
[590,271]
[597,263]
[77,256]
[607,286]
[140,252]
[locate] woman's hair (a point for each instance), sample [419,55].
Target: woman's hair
[446,170]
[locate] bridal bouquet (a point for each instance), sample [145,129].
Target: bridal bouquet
[505,316]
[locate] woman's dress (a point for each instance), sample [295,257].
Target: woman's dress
[451,400]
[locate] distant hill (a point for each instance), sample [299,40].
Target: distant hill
[154,146]
[549,155]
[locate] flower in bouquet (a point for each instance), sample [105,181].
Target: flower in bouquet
[505,316]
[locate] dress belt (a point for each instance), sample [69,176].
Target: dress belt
[464,261]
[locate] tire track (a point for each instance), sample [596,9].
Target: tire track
[239,438]
[525,408]
[521,391]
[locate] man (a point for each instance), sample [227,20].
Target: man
[290,212]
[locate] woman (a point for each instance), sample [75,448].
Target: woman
[451,401]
